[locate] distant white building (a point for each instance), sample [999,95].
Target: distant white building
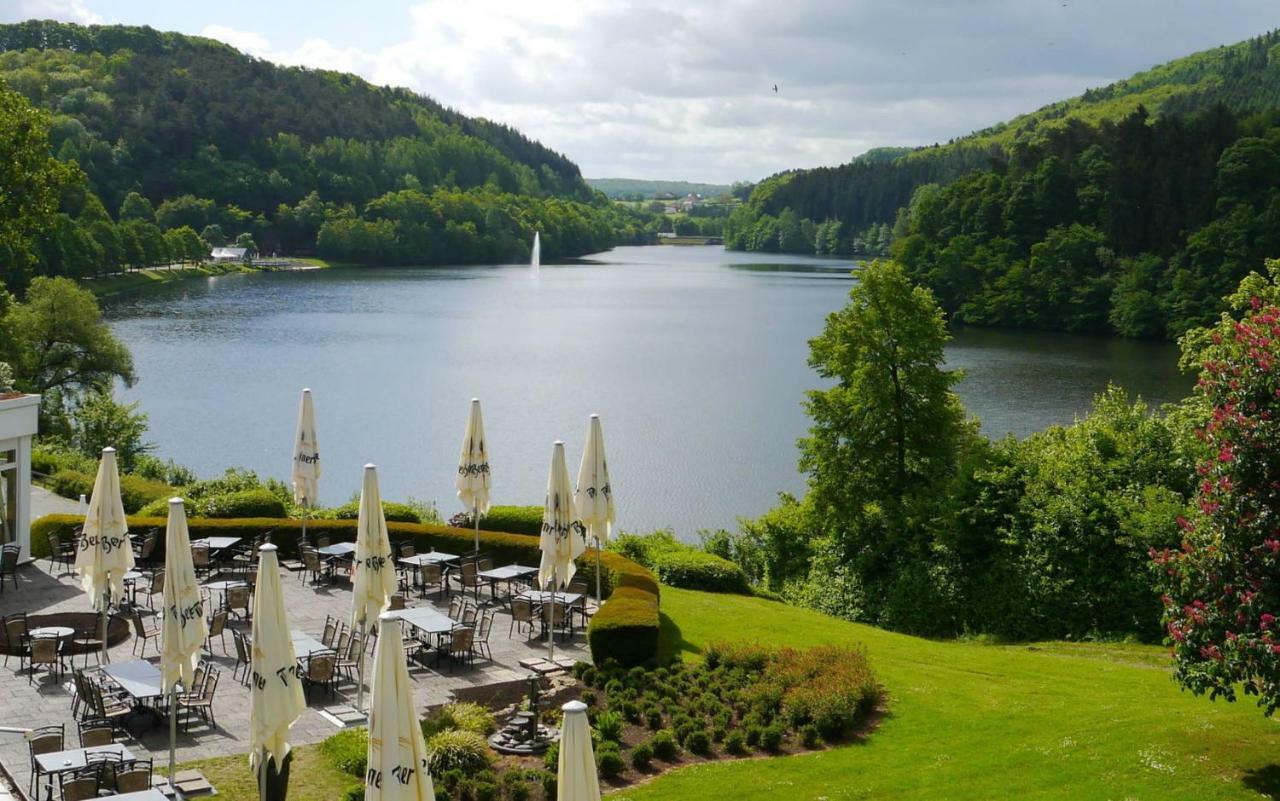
[224,255]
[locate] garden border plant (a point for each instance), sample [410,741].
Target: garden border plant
[625,628]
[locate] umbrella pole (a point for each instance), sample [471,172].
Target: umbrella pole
[262,776]
[304,522]
[173,735]
[599,597]
[475,516]
[106,604]
[360,669]
[551,619]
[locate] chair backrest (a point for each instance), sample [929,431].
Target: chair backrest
[323,541]
[461,640]
[15,628]
[354,647]
[578,586]
[55,543]
[46,740]
[320,666]
[407,550]
[157,582]
[81,788]
[9,559]
[217,623]
[330,632]
[469,571]
[94,733]
[134,779]
[395,602]
[484,563]
[486,623]
[311,559]
[44,650]
[343,642]
[139,629]
[522,609]
[431,574]
[197,678]
[559,612]
[469,614]
[238,598]
[200,556]
[210,684]
[149,544]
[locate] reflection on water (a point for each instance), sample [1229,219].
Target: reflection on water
[695,359]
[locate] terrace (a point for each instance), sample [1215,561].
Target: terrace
[44,589]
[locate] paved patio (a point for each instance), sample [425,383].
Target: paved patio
[45,591]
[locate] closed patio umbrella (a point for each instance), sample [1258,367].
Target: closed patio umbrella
[473,469]
[183,630]
[594,494]
[576,778]
[275,686]
[397,754]
[105,553]
[306,459]
[375,575]
[562,535]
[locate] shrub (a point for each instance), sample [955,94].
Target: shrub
[698,570]
[457,750]
[354,793]
[613,687]
[551,757]
[71,483]
[515,519]
[463,716]
[829,686]
[609,724]
[664,745]
[771,737]
[392,511]
[641,756]
[653,719]
[755,734]
[482,790]
[698,742]
[810,736]
[245,503]
[548,779]
[348,751]
[735,742]
[588,697]
[609,761]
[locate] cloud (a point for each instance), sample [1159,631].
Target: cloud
[65,10]
[685,90]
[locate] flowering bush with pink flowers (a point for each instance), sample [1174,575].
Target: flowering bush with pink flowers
[1221,589]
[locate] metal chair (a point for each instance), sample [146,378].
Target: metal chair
[16,637]
[458,648]
[46,651]
[217,628]
[61,553]
[239,602]
[522,614]
[202,702]
[44,740]
[482,634]
[321,670]
[95,732]
[242,657]
[135,778]
[143,632]
[430,575]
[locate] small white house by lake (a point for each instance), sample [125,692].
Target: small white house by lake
[18,424]
[229,255]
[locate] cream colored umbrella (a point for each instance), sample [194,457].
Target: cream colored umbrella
[576,778]
[562,535]
[397,754]
[275,683]
[105,553]
[306,459]
[473,469]
[375,576]
[594,494]
[183,629]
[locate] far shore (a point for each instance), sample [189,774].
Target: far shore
[134,281]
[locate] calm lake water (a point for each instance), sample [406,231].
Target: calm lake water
[693,357]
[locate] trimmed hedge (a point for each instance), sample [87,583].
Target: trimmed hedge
[135,491]
[246,503]
[392,511]
[699,570]
[515,519]
[625,628]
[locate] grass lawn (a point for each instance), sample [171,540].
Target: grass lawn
[311,777]
[971,721]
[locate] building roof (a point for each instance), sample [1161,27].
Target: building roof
[229,253]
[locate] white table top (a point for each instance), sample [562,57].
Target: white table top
[216,543]
[53,631]
[426,619]
[139,678]
[431,558]
[544,596]
[508,572]
[145,795]
[76,758]
[338,549]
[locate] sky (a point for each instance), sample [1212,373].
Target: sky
[670,90]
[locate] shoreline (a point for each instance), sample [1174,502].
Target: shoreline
[140,281]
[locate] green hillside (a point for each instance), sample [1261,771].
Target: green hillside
[636,188]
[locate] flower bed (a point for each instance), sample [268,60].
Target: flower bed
[625,628]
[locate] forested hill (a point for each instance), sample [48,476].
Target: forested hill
[1132,209]
[172,132]
[1244,78]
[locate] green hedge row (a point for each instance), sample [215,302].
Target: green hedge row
[515,519]
[699,570]
[625,628]
[135,491]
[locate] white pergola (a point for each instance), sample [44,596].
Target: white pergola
[18,424]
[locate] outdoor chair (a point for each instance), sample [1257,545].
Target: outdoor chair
[482,634]
[108,765]
[242,657]
[61,553]
[430,575]
[395,603]
[144,551]
[484,563]
[469,579]
[470,613]
[110,710]
[349,653]
[154,588]
[143,632]
[95,732]
[47,652]
[330,631]
[321,671]
[560,617]
[217,628]
[246,556]
[135,778]
[16,637]
[455,606]
[239,602]
[44,740]
[323,541]
[315,567]
[89,644]
[522,615]
[458,648]
[9,564]
[201,561]
[407,549]
[201,703]
[82,786]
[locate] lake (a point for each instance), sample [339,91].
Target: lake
[695,359]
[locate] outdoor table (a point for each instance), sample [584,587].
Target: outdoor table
[61,632]
[139,678]
[507,573]
[304,645]
[216,543]
[427,620]
[223,586]
[145,795]
[73,759]
[541,598]
[431,558]
[338,549]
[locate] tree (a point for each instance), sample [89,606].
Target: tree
[57,340]
[891,426]
[1221,590]
[32,181]
[136,207]
[245,241]
[99,422]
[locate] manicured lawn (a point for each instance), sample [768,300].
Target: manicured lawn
[971,721]
[311,777]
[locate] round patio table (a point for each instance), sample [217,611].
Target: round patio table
[61,632]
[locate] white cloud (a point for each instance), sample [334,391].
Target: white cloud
[64,10]
[684,90]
